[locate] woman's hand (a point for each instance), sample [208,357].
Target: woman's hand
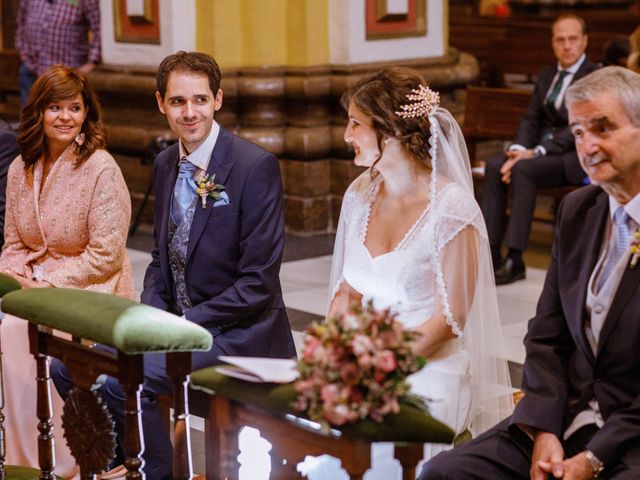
[343,299]
[29,283]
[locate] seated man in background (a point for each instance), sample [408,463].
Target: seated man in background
[541,155]
[580,416]
[8,152]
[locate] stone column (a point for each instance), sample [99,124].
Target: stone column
[285,64]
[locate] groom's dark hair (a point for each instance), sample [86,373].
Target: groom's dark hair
[196,62]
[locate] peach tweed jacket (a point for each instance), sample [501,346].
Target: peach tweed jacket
[72,231]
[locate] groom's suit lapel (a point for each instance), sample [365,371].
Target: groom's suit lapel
[168,183]
[594,225]
[221,165]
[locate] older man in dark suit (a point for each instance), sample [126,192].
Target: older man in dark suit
[580,415]
[8,152]
[542,154]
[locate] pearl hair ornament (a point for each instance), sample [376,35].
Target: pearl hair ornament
[423,101]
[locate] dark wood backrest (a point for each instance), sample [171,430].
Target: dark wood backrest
[493,114]
[9,64]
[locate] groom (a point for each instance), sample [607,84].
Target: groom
[580,415]
[216,259]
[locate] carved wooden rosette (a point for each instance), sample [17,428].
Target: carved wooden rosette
[89,430]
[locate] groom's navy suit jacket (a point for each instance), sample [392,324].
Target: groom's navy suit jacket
[561,373]
[233,256]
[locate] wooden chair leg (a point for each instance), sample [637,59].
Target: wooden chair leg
[45,425]
[222,446]
[179,368]
[409,456]
[131,371]
[3,446]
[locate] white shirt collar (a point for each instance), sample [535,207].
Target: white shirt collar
[575,67]
[200,156]
[632,208]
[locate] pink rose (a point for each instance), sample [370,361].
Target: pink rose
[385,361]
[310,346]
[349,373]
[361,344]
[365,361]
[339,415]
[330,393]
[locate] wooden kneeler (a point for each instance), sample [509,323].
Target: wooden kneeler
[131,329]
[270,408]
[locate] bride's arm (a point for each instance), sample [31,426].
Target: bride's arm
[459,261]
[343,299]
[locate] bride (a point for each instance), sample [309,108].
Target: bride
[411,237]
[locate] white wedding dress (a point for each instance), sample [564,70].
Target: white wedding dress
[405,280]
[441,265]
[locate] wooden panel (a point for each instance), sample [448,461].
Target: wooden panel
[494,112]
[522,43]
[9,64]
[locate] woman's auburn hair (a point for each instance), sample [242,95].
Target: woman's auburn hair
[59,83]
[379,96]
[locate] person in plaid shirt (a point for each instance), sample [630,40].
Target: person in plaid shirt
[53,32]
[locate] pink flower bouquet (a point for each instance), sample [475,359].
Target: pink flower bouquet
[355,366]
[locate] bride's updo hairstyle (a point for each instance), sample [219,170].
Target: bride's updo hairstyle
[380,96]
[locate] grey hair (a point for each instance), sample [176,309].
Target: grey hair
[620,82]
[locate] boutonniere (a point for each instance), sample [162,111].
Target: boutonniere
[635,248]
[207,188]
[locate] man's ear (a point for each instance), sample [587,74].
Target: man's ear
[217,101]
[160,101]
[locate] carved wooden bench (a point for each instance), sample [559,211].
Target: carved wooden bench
[132,329]
[269,408]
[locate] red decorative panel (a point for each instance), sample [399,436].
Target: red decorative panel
[381,23]
[143,28]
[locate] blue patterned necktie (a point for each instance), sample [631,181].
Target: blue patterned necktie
[184,191]
[622,241]
[557,88]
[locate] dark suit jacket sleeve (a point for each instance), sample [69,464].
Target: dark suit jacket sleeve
[531,123]
[154,292]
[620,430]
[8,152]
[548,346]
[260,252]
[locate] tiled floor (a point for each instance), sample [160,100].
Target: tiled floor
[305,276]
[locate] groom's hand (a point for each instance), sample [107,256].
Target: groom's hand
[547,458]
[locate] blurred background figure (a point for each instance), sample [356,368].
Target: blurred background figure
[633,62]
[616,51]
[8,151]
[67,215]
[51,32]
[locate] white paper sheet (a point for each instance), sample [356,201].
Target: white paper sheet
[259,369]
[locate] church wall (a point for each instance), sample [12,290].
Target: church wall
[285,64]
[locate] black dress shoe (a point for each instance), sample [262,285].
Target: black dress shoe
[509,272]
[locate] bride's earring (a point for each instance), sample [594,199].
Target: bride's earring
[79,139]
[386,141]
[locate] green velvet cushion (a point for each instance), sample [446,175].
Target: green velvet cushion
[409,425]
[126,325]
[8,284]
[23,473]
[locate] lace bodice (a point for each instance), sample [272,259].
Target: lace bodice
[408,278]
